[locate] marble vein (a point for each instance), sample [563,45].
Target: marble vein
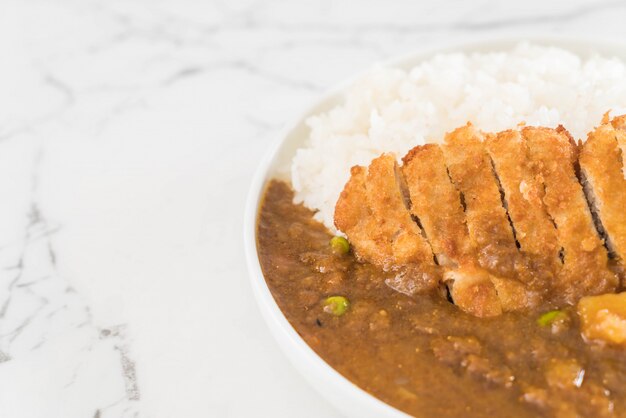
[39,309]
[573,14]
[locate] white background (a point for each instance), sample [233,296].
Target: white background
[129,132]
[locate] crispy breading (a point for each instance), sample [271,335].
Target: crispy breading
[514,295]
[349,209]
[353,216]
[504,215]
[487,222]
[603,180]
[437,204]
[553,156]
[372,212]
[534,230]
[473,291]
[619,122]
[387,203]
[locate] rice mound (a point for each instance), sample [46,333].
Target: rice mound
[392,110]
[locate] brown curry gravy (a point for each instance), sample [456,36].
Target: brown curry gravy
[421,354]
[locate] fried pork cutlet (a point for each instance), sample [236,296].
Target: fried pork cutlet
[489,227]
[534,231]
[373,214]
[605,187]
[487,222]
[354,217]
[437,204]
[553,155]
[504,216]
[619,122]
[472,289]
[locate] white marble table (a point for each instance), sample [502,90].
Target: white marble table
[129,131]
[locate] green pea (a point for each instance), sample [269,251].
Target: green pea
[549,317]
[336,305]
[340,245]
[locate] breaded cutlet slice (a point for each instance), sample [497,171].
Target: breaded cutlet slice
[354,217]
[472,174]
[553,155]
[601,165]
[534,230]
[437,204]
[487,222]
[372,212]
[473,291]
[386,199]
[619,122]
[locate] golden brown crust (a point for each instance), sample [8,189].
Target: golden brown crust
[473,291]
[478,194]
[619,122]
[601,168]
[487,222]
[437,204]
[349,209]
[534,230]
[353,217]
[394,221]
[553,154]
[371,211]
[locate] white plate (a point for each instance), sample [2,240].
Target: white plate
[347,397]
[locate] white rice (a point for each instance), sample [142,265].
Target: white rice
[391,110]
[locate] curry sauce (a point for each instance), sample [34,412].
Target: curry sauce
[420,353]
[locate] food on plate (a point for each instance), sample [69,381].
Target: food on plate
[522,194]
[436,203]
[458,269]
[373,209]
[585,261]
[601,170]
[418,351]
[391,110]
[503,215]
[489,229]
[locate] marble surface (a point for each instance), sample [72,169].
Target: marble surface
[129,132]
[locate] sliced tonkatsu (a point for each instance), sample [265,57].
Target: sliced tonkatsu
[436,203]
[386,200]
[489,227]
[619,122]
[471,172]
[534,230]
[373,213]
[354,217]
[585,271]
[601,165]
[502,220]
[474,290]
